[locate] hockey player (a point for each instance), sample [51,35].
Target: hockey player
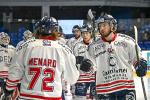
[71,43]
[26,36]
[39,64]
[85,80]
[77,37]
[113,55]
[6,53]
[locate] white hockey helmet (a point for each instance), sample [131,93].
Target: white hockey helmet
[86,28]
[27,35]
[4,38]
[109,19]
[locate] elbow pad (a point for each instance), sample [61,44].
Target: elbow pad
[141,68]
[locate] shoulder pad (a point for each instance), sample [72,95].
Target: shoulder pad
[25,44]
[11,47]
[126,36]
[65,46]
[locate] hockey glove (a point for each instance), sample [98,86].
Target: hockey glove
[79,59]
[7,95]
[86,65]
[141,68]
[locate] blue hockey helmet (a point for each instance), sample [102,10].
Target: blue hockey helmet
[46,25]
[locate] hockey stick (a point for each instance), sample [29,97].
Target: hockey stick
[92,18]
[137,55]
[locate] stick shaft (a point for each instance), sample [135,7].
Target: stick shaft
[137,55]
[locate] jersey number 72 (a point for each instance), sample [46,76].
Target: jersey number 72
[48,74]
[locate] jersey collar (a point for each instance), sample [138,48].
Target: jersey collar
[114,35]
[48,38]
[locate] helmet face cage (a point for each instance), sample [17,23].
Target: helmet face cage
[27,35]
[108,19]
[4,38]
[46,25]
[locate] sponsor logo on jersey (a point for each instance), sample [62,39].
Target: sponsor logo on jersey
[46,42]
[115,74]
[120,43]
[6,51]
[99,46]
[5,59]
[100,53]
[82,49]
[25,44]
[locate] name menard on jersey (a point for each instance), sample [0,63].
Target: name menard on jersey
[42,62]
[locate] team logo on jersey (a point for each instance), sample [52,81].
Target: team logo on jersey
[110,50]
[112,60]
[46,43]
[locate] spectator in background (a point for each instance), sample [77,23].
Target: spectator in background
[145,35]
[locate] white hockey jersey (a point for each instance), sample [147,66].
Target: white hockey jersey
[39,65]
[62,40]
[6,54]
[114,62]
[21,42]
[72,41]
[80,49]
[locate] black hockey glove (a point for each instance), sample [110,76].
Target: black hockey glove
[79,59]
[141,68]
[7,95]
[86,65]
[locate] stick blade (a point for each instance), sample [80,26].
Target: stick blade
[90,14]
